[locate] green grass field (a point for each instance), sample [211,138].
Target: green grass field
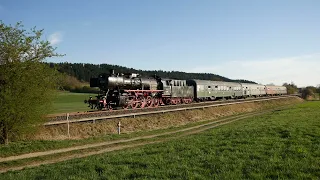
[70,102]
[283,144]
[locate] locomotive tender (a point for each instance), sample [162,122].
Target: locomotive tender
[132,91]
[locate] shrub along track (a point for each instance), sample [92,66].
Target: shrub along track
[59,155]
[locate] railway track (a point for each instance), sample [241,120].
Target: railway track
[102,115]
[103,147]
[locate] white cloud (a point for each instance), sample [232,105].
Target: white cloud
[302,70]
[55,38]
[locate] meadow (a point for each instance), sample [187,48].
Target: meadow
[283,144]
[71,102]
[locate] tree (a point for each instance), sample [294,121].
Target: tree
[27,85]
[307,93]
[312,88]
[291,88]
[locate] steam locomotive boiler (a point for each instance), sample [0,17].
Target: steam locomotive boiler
[126,90]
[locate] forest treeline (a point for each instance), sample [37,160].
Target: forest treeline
[83,72]
[77,76]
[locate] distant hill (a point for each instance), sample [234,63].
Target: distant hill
[84,72]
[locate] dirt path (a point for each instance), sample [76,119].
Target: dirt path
[118,144]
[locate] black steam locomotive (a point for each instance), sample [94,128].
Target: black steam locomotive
[126,90]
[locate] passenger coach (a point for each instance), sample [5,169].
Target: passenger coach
[211,90]
[253,90]
[275,90]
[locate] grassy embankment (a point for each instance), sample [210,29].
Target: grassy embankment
[156,121]
[282,144]
[70,102]
[54,137]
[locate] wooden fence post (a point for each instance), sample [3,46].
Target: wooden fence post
[68,125]
[119,127]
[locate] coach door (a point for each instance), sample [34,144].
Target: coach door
[245,91]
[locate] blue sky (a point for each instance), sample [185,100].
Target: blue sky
[272,41]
